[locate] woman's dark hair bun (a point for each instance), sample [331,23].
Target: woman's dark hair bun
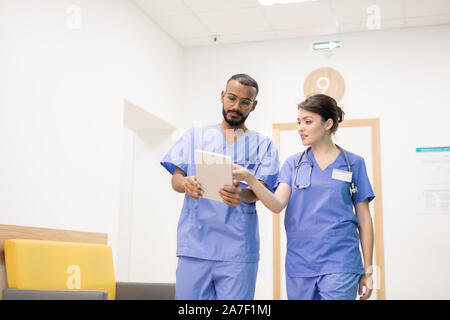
[341,114]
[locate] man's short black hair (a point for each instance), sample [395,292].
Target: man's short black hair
[246,80]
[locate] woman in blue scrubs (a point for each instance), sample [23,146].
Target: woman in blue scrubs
[327,194]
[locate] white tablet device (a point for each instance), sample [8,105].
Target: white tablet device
[214,170]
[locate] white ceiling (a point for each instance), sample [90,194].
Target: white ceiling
[208,22]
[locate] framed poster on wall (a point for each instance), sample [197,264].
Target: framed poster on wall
[433,180]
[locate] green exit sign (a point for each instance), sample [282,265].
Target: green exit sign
[328,45]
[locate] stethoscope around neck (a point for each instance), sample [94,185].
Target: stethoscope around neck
[353,190]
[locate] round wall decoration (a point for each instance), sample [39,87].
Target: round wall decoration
[327,81]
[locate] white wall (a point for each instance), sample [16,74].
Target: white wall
[62,94]
[155,211]
[62,141]
[399,76]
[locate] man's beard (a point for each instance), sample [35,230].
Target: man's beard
[234,123]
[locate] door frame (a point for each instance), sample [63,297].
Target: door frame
[374,124]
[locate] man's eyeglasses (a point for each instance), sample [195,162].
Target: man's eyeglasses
[243,103]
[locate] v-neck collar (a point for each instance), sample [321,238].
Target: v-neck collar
[327,167]
[225,139]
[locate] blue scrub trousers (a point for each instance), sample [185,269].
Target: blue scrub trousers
[335,286]
[199,279]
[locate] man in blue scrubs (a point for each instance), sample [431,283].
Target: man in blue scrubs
[218,243]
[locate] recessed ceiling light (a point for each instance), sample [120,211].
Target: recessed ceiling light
[272,2]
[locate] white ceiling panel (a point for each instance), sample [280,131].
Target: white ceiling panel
[181,27]
[195,42]
[391,24]
[356,11]
[299,15]
[219,5]
[248,37]
[197,22]
[362,27]
[353,27]
[420,8]
[235,21]
[306,32]
[427,21]
[159,8]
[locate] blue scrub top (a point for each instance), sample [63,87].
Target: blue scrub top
[320,222]
[213,230]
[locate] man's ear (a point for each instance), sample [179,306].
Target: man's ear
[222,96]
[254,105]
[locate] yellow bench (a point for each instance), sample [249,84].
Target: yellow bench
[54,265]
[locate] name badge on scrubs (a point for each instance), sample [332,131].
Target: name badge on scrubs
[342,175]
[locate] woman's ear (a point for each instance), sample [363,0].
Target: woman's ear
[329,124]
